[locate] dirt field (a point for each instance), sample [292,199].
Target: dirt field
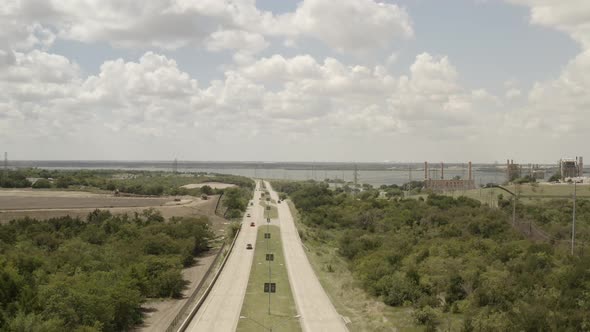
[50,204]
[44,204]
[214,185]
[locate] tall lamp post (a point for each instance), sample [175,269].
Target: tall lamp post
[574,220]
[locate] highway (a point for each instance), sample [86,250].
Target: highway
[221,310]
[313,304]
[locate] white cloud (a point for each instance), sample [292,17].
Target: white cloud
[289,97]
[562,104]
[513,93]
[348,25]
[571,16]
[166,24]
[214,24]
[557,106]
[242,41]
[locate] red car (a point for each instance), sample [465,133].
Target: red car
[252,224]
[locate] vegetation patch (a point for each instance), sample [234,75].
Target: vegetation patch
[451,256]
[152,183]
[67,274]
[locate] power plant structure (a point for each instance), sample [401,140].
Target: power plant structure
[515,171]
[442,184]
[571,168]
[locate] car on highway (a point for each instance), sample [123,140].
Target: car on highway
[249,246]
[252,224]
[248,215]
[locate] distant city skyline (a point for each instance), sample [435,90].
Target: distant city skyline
[309,80]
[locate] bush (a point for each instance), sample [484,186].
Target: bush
[426,316]
[41,184]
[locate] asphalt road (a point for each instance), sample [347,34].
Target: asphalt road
[221,310]
[313,304]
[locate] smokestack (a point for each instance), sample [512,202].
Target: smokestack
[470,172]
[442,170]
[425,170]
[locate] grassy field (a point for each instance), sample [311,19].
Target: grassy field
[365,313]
[255,305]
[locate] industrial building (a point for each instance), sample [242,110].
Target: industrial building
[516,171]
[513,171]
[571,168]
[442,184]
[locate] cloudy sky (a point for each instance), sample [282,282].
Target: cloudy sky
[309,80]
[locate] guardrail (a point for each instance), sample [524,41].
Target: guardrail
[190,301]
[201,300]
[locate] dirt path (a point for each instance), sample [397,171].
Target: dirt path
[214,185]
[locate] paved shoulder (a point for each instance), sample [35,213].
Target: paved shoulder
[313,304]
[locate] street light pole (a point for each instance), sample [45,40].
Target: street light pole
[513,210]
[574,220]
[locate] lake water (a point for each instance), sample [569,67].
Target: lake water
[375,174]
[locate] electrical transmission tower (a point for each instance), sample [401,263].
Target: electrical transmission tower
[175,166]
[356,175]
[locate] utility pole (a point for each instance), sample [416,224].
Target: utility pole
[4,173]
[574,220]
[514,210]
[356,175]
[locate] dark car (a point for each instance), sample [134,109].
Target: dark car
[249,246]
[252,224]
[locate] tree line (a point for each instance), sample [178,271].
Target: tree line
[152,183]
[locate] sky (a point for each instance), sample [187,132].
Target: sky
[286,80]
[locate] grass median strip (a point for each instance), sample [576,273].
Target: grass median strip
[273,213]
[255,310]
